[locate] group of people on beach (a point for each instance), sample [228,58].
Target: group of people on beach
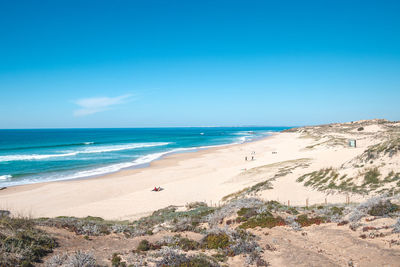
[252,156]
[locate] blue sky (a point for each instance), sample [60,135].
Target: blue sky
[196,63]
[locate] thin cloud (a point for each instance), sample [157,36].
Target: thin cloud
[93,105]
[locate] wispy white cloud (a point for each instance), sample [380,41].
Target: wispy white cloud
[93,105]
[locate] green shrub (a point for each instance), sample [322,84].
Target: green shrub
[247,212]
[187,244]
[263,221]
[144,245]
[220,257]
[371,176]
[304,221]
[21,243]
[383,208]
[116,261]
[292,211]
[197,261]
[215,241]
[337,210]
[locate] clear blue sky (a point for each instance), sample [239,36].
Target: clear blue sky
[194,63]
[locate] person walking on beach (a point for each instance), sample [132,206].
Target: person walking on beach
[245,158]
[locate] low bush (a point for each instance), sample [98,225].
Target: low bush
[304,221]
[247,212]
[116,261]
[263,221]
[336,210]
[177,241]
[187,244]
[215,241]
[21,243]
[76,259]
[144,245]
[81,259]
[382,208]
[172,257]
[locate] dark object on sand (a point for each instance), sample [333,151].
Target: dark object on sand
[4,213]
[2,188]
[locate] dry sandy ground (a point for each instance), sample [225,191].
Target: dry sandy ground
[326,245]
[206,175]
[322,245]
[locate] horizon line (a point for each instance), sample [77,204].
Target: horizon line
[147,127]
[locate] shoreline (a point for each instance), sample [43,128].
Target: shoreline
[205,175]
[132,169]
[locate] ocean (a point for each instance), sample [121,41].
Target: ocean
[40,155]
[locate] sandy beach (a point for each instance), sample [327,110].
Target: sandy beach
[206,175]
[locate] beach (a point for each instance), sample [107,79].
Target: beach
[206,175]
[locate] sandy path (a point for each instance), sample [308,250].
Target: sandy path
[325,245]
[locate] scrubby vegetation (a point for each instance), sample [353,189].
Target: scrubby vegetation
[95,226]
[305,221]
[372,176]
[116,261]
[221,232]
[263,220]
[389,147]
[172,257]
[22,243]
[216,241]
[376,206]
[383,208]
[76,259]
[329,180]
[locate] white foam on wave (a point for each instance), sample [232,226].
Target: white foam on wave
[141,161]
[242,139]
[33,156]
[5,177]
[102,149]
[88,143]
[99,149]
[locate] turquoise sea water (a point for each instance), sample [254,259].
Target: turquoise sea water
[30,156]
